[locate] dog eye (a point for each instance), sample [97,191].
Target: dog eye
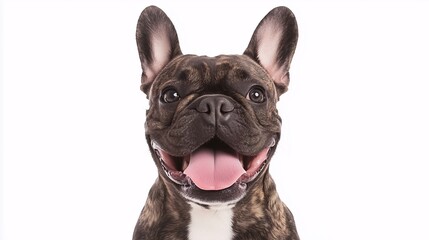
[256,94]
[170,96]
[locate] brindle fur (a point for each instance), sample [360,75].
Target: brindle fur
[260,214]
[164,216]
[181,131]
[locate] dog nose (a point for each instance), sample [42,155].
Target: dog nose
[215,107]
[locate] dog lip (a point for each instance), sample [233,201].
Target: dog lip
[174,167]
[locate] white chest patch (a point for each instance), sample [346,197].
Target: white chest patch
[214,223]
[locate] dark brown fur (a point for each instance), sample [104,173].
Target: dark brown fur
[165,215]
[262,215]
[199,75]
[180,129]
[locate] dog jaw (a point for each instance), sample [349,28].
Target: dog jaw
[203,187]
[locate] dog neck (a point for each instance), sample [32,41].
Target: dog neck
[259,215]
[210,222]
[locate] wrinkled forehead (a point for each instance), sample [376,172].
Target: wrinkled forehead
[214,70]
[212,74]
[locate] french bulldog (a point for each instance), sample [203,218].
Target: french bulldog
[212,127]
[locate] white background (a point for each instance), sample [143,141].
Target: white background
[353,160]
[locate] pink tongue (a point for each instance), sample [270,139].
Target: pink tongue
[214,169]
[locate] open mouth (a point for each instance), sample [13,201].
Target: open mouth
[213,166]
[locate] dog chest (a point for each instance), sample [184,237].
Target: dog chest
[213,223]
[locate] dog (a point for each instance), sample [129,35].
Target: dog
[212,127]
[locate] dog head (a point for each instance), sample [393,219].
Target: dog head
[212,124]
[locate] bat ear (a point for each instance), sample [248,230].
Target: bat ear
[157,44]
[273,45]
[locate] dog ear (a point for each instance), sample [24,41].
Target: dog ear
[157,44]
[273,45]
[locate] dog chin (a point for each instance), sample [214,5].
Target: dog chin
[214,173]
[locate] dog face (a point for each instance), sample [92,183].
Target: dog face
[212,125]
